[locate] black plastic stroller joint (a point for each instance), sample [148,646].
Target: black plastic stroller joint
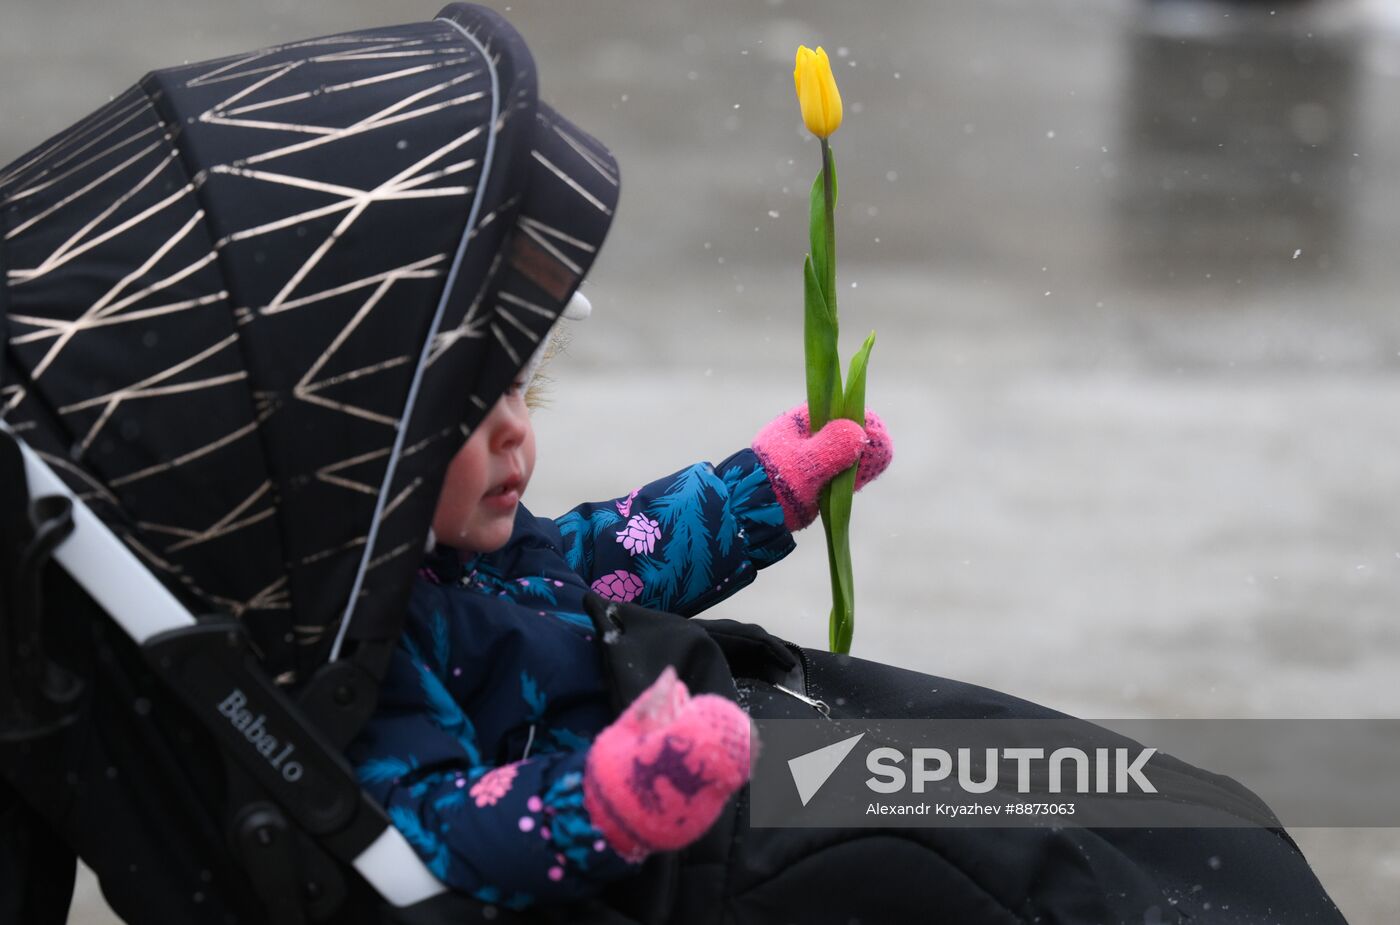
[340,697]
[294,879]
[37,696]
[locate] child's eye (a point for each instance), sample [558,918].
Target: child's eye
[517,386]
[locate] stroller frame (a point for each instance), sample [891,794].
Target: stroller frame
[209,666]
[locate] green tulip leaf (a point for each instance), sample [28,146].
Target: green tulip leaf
[853,407]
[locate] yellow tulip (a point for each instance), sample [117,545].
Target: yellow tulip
[816,92]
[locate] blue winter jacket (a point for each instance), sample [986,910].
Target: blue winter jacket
[478,745]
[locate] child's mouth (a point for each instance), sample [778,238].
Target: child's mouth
[506,495]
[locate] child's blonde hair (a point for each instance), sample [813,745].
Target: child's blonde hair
[536,390]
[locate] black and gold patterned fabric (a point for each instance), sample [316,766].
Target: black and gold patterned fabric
[252,306]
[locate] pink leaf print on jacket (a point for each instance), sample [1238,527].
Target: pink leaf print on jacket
[640,535]
[493,785]
[618,586]
[625,507]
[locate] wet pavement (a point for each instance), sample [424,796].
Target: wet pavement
[1133,272]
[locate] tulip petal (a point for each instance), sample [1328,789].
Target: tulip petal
[817,95]
[803,54]
[831,99]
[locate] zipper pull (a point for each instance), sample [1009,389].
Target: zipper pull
[817,705]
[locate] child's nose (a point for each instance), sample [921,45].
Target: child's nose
[509,425]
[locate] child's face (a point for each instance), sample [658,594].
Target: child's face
[484,482]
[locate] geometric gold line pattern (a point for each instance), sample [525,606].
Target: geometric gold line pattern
[217,291]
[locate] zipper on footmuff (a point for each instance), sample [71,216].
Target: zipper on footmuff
[806,695]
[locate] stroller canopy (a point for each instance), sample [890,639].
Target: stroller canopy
[252,307]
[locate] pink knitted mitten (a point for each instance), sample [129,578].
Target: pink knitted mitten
[658,776]
[799,464]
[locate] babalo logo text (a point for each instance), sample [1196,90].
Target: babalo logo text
[253,727]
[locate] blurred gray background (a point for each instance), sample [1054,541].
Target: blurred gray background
[1133,267]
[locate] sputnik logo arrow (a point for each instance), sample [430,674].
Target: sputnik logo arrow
[811,770]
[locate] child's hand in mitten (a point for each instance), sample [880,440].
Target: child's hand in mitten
[800,464]
[657,777]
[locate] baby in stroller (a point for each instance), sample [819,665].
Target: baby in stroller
[493,746]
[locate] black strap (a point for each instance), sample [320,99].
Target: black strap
[638,643]
[753,652]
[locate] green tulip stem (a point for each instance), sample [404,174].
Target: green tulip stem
[838,553]
[829,195]
[827,398]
